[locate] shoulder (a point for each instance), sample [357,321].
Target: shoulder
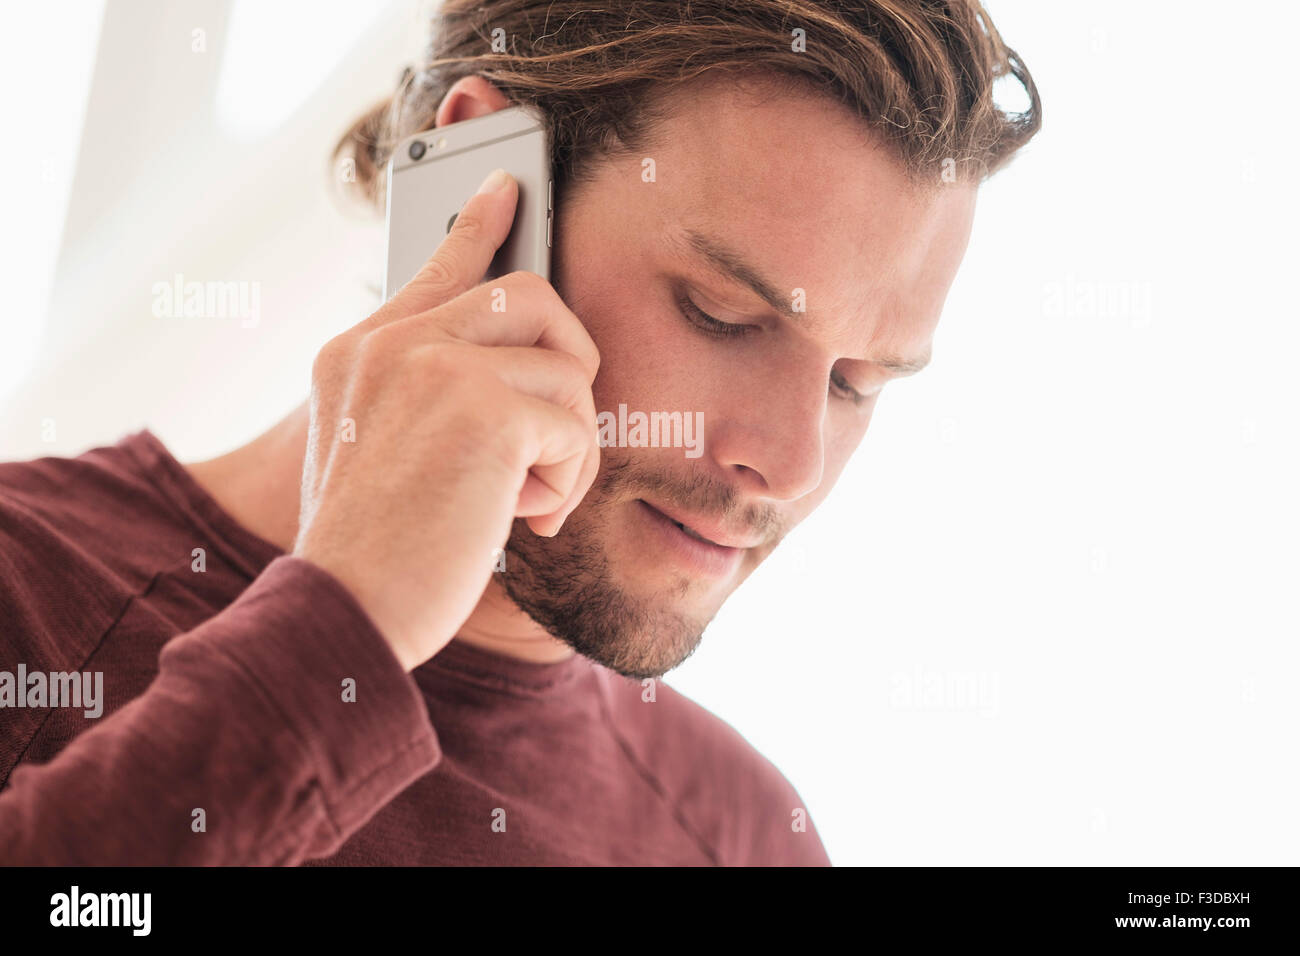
[74,493]
[70,540]
[738,799]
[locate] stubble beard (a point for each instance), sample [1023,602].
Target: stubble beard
[566,585]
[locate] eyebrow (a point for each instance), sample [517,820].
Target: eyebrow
[727,262]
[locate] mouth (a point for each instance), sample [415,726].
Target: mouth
[704,528]
[690,532]
[689,548]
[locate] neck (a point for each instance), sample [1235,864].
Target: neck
[260,486]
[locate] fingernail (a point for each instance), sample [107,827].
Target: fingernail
[496,180]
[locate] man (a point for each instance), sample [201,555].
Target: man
[310,650]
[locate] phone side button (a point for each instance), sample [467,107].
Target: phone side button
[548,232]
[550,187]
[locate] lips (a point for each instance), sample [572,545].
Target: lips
[693,534]
[703,529]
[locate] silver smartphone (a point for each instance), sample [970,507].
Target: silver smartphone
[433,173]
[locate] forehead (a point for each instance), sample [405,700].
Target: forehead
[799,185]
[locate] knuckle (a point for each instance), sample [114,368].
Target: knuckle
[331,357]
[591,358]
[573,366]
[445,362]
[581,427]
[469,225]
[439,272]
[373,356]
[372,347]
[526,281]
[577,379]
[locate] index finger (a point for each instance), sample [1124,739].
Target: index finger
[462,258]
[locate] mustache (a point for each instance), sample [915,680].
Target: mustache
[695,492]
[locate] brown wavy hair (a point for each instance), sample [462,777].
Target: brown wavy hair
[919,72]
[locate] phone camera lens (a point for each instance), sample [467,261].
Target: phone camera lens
[417,149]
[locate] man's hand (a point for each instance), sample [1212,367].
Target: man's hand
[464,419]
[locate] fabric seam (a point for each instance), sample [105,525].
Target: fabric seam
[99,643]
[653,781]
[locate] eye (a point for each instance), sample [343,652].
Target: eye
[705,322]
[716,327]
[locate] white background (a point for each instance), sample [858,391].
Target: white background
[1048,614]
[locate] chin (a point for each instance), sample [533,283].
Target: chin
[639,620]
[622,583]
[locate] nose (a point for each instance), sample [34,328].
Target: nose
[768,437]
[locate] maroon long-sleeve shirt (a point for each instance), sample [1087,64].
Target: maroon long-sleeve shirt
[251,712]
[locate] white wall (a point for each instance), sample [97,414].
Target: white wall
[183,169]
[1048,614]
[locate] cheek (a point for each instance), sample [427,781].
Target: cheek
[842,439]
[623,311]
[648,359]
[844,434]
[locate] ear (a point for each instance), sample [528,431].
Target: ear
[470,96]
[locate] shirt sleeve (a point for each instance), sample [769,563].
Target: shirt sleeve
[271,733]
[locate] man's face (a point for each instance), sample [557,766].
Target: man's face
[790,189]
